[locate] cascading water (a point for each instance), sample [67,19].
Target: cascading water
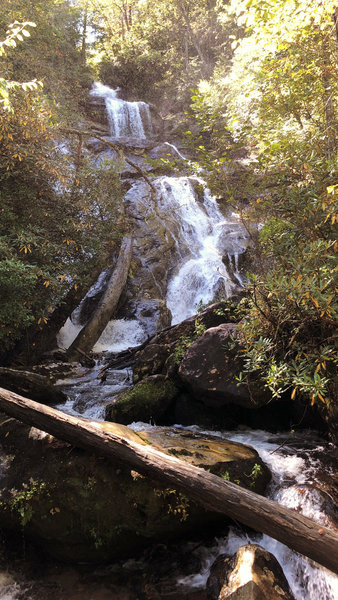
[296,473]
[202,237]
[202,240]
[126,119]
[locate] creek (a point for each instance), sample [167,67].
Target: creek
[196,236]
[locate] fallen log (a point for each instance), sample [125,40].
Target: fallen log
[91,332]
[289,527]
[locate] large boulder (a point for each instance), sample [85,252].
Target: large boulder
[83,507]
[232,461]
[251,574]
[210,368]
[175,340]
[147,401]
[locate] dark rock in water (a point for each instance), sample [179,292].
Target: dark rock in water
[89,303]
[251,574]
[83,507]
[147,401]
[210,367]
[151,361]
[31,385]
[154,357]
[154,314]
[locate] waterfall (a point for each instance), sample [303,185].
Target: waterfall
[203,236]
[126,119]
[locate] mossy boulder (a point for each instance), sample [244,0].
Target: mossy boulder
[147,401]
[83,507]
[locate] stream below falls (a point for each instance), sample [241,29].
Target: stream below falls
[198,237]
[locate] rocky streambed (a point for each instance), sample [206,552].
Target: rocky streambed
[149,540]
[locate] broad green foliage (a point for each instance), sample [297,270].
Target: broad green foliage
[290,328]
[278,99]
[54,228]
[52,53]
[16,32]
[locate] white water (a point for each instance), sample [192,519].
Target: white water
[295,473]
[201,239]
[119,335]
[126,119]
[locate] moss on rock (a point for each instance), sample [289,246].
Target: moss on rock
[148,399]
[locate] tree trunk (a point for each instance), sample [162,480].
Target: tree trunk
[335,20]
[84,34]
[91,332]
[40,339]
[185,14]
[212,492]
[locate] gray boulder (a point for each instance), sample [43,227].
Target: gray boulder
[210,367]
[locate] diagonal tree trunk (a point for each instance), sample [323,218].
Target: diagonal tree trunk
[91,332]
[289,527]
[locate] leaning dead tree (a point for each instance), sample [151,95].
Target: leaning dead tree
[289,527]
[91,332]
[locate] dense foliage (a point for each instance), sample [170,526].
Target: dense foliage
[157,49]
[55,219]
[279,101]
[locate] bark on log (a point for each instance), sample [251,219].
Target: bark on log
[289,527]
[91,332]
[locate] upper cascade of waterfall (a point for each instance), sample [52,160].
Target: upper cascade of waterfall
[126,119]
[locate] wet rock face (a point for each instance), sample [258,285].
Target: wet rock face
[155,250]
[252,574]
[82,507]
[210,367]
[153,314]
